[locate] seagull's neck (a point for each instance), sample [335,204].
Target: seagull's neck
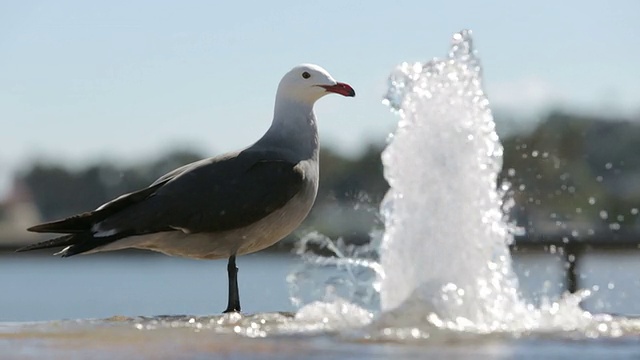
[293,129]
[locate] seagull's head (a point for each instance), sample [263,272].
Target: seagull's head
[308,83]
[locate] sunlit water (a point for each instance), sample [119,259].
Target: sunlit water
[440,273]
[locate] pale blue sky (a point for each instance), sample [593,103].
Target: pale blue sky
[120,80]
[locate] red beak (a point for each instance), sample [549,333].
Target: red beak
[340,88]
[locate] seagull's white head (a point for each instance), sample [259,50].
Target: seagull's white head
[308,83]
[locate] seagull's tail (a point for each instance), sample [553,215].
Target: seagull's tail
[74,243]
[66,240]
[77,230]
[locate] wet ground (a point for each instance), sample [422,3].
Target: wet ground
[278,336]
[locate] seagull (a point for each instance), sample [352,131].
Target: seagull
[221,207]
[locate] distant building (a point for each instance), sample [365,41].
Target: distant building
[17,212]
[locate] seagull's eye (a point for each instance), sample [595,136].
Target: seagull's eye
[306,75]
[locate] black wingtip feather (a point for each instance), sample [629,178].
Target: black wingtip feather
[82,223]
[74,224]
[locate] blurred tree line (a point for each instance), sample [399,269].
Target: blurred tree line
[571,173]
[575,176]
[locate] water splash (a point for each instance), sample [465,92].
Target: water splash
[444,262]
[446,242]
[333,270]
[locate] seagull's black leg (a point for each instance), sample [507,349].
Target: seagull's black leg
[234,297]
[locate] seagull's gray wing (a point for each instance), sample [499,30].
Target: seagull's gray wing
[213,195]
